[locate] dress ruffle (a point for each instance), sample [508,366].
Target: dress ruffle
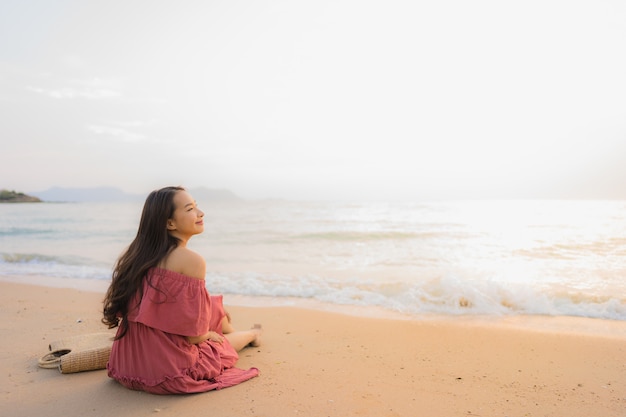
[175,303]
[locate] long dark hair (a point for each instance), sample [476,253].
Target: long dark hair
[150,246]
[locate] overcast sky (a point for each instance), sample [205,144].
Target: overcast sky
[384,100]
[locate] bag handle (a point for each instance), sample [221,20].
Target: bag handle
[52,359]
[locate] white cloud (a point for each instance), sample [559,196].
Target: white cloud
[90,88]
[69,93]
[116,132]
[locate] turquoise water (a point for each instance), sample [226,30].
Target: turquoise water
[452,258]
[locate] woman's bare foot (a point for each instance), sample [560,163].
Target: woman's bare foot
[259,331]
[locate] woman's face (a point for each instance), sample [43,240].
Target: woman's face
[187,219]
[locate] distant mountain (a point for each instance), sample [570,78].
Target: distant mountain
[60,194]
[111,194]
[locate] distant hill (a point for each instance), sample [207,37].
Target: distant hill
[59,194]
[7,196]
[111,194]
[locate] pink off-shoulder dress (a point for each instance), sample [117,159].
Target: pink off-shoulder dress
[155,356]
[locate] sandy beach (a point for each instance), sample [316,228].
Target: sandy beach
[316,363]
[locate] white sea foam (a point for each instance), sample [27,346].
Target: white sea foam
[447,295]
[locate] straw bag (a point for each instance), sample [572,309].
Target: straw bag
[85,352]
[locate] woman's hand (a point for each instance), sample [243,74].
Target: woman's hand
[215,337]
[212,336]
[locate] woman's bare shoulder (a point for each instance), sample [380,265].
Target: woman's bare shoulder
[186,262]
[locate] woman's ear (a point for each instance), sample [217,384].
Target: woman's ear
[170,225]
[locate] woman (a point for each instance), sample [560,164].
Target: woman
[173,337]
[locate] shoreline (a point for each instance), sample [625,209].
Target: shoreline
[540,323]
[322,363]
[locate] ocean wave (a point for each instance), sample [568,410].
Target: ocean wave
[606,247]
[444,295]
[54,266]
[25,231]
[21,258]
[359,236]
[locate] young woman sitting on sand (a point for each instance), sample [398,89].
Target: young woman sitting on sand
[173,337]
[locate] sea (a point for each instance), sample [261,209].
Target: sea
[416,259]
